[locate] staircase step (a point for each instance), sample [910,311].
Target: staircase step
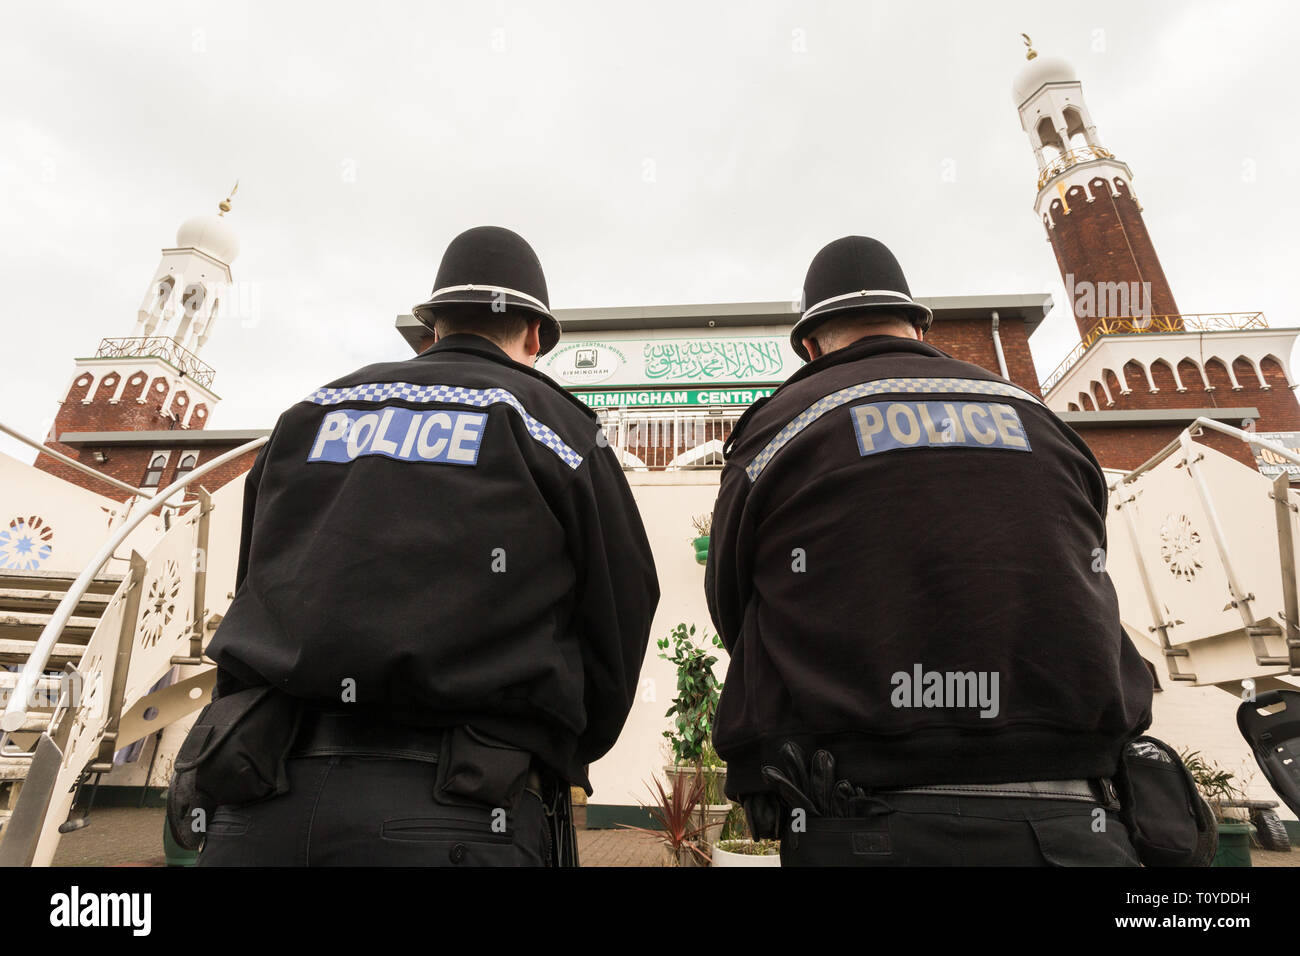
[17,652]
[14,768]
[38,599]
[57,580]
[29,624]
[9,680]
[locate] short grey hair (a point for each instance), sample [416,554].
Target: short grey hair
[843,330]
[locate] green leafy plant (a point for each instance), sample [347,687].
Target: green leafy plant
[675,811]
[703,525]
[698,690]
[1215,784]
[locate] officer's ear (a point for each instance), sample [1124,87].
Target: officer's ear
[533,339]
[812,348]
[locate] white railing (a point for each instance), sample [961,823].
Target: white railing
[72,462]
[15,712]
[668,440]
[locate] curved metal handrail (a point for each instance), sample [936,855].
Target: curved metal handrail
[16,710]
[80,466]
[1250,438]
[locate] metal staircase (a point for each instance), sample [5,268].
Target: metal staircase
[1203,554]
[28,600]
[92,647]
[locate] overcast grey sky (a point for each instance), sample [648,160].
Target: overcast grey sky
[652,153]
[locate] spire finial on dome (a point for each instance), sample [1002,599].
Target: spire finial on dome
[224,205]
[1030,52]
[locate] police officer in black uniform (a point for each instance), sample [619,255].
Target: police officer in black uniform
[927,662]
[443,571]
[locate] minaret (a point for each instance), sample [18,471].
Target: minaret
[1143,370]
[1087,205]
[153,379]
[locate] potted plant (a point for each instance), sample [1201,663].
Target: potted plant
[1218,788]
[703,525]
[747,853]
[693,710]
[675,813]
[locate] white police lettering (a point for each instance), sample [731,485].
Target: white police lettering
[452,438]
[886,426]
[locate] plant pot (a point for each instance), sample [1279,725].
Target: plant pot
[687,774]
[174,853]
[715,818]
[684,857]
[728,858]
[701,549]
[1234,845]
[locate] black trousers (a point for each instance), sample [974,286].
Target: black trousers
[940,830]
[373,811]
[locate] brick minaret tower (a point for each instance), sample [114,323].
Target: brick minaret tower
[1087,205]
[1142,370]
[153,380]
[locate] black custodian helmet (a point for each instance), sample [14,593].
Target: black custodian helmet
[854,274]
[490,265]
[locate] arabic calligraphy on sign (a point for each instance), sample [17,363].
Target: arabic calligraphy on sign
[711,359]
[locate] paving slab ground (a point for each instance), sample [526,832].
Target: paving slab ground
[125,836]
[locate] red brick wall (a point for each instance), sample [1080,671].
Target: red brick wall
[1129,447]
[971,340]
[1106,240]
[129,464]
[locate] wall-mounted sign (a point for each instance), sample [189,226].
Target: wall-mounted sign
[642,398]
[668,362]
[584,364]
[1271,464]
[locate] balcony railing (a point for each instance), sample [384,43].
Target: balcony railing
[1138,324]
[163,347]
[1073,157]
[668,440]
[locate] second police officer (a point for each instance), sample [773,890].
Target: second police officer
[904,567]
[444,580]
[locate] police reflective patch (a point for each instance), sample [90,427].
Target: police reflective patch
[886,426]
[882,386]
[446,437]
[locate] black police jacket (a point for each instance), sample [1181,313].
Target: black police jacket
[907,568]
[446,540]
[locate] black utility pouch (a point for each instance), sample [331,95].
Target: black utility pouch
[1168,821]
[238,745]
[480,769]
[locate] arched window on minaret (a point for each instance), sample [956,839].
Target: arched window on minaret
[1075,129]
[191,301]
[161,297]
[1049,141]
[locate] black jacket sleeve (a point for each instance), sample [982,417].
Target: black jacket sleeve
[251,481]
[228,683]
[617,593]
[726,583]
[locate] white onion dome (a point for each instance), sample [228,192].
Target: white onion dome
[1038,71]
[210,234]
